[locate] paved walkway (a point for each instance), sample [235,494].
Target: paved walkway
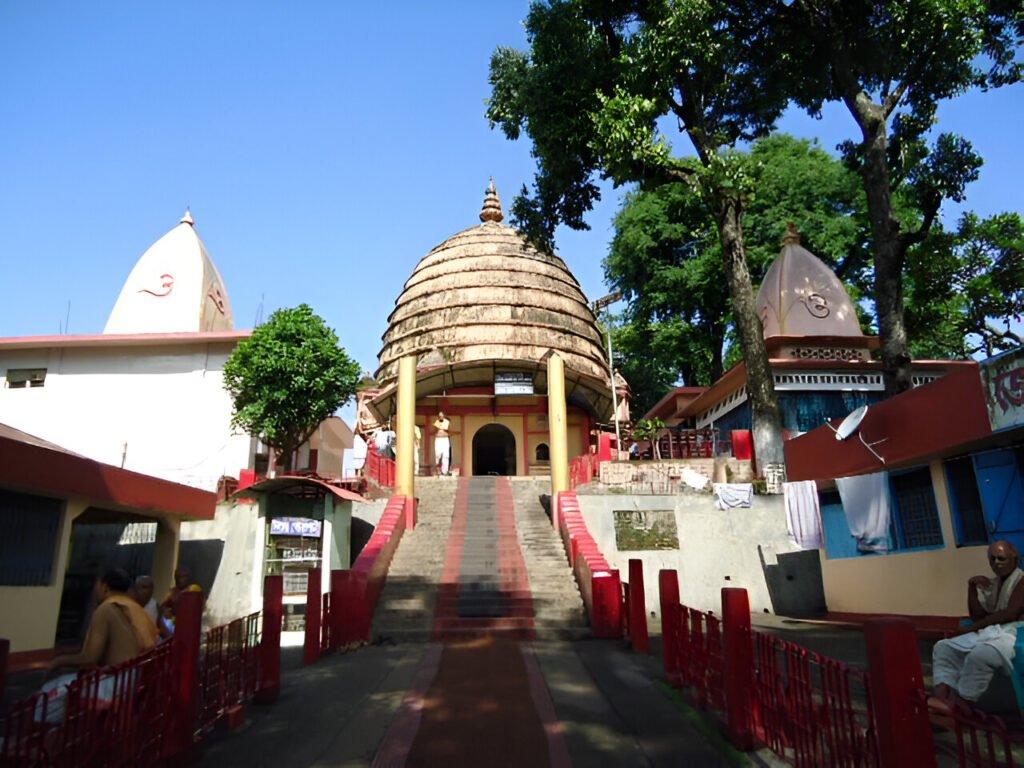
[585,703]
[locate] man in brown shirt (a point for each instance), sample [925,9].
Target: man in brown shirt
[118,631]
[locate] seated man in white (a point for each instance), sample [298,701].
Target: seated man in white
[963,665]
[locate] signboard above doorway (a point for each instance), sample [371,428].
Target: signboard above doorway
[294,526]
[513,383]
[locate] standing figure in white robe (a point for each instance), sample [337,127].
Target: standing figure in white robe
[963,665]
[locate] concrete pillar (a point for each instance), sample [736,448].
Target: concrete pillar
[338,538]
[165,555]
[557,428]
[405,434]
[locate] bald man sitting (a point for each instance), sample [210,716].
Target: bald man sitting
[963,665]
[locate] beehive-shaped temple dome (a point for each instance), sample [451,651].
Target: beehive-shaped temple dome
[486,294]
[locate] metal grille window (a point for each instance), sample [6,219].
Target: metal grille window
[968,513]
[30,525]
[914,512]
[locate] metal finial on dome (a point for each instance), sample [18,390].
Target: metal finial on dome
[492,205]
[792,237]
[187,218]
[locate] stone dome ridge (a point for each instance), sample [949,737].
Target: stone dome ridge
[485,293]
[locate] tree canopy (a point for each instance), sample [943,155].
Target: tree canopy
[666,258]
[891,63]
[287,377]
[598,78]
[964,287]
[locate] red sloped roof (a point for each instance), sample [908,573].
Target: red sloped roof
[935,419]
[33,465]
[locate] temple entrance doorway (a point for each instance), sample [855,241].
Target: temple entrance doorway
[494,451]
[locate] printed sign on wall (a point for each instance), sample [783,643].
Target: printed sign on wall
[294,526]
[1003,376]
[513,383]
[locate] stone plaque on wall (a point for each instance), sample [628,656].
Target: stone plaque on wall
[643,529]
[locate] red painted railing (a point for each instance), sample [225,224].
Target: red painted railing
[583,469]
[379,469]
[149,709]
[812,710]
[599,583]
[979,739]
[809,709]
[229,669]
[325,624]
[112,716]
[355,591]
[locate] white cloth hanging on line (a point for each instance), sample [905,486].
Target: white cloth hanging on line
[803,516]
[866,504]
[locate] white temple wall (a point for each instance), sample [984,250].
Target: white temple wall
[160,410]
[717,548]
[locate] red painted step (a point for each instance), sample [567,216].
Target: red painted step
[513,585]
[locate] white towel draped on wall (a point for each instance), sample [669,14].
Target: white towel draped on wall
[866,504]
[730,495]
[803,518]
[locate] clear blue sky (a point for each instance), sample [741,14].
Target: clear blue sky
[323,147]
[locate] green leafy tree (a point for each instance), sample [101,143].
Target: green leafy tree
[591,93]
[666,258]
[287,377]
[648,429]
[891,63]
[965,289]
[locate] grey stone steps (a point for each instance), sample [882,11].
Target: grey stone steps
[406,610]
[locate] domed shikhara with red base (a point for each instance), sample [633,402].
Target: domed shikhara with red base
[482,313]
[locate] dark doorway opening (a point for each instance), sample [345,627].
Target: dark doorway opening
[494,451]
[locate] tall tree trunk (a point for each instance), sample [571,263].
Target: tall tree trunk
[765,414]
[717,353]
[889,253]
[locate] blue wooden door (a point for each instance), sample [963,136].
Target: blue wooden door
[1002,493]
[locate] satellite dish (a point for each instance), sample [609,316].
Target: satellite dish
[849,425]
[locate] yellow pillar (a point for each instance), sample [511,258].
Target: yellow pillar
[557,427]
[405,434]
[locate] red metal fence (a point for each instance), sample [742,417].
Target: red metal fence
[379,469]
[812,710]
[583,469]
[114,716]
[229,669]
[140,712]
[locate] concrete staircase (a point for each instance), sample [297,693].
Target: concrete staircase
[557,605]
[500,570]
[405,610]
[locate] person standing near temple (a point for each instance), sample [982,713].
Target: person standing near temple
[442,443]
